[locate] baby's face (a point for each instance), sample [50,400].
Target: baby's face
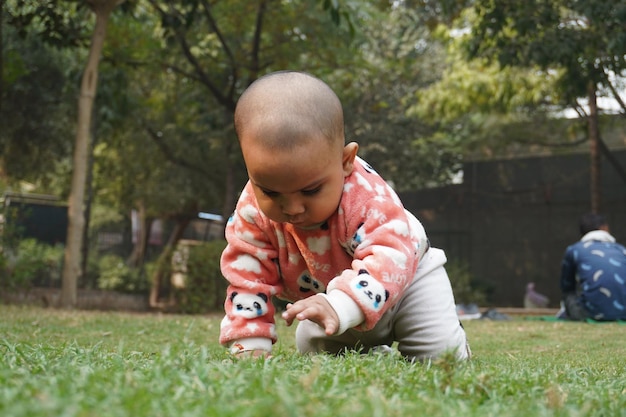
[302,186]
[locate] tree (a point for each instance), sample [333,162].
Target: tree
[35,117]
[482,107]
[397,58]
[76,221]
[583,40]
[61,24]
[177,152]
[226,45]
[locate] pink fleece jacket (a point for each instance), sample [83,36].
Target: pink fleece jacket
[361,259]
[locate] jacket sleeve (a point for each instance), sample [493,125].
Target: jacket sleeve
[384,257]
[248,263]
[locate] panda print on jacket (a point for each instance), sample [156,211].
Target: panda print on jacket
[308,283]
[370,231]
[369,291]
[249,306]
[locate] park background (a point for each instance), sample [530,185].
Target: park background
[499,124]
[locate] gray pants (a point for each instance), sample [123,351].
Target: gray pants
[574,307]
[423,322]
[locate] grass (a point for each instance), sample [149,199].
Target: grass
[78,363]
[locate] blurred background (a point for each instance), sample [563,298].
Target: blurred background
[498,122]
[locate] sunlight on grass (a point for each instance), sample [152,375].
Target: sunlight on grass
[78,363]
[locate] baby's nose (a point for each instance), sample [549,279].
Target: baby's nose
[292,207]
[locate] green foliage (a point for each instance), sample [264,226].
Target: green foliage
[513,66]
[86,363]
[204,286]
[397,59]
[482,88]
[438,12]
[584,38]
[115,275]
[60,23]
[464,285]
[31,264]
[12,230]
[35,110]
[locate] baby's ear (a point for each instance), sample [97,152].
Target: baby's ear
[349,155]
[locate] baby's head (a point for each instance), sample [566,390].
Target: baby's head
[287,108]
[290,128]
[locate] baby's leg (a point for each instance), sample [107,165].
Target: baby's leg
[425,322]
[311,338]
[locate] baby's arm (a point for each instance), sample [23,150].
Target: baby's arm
[248,328]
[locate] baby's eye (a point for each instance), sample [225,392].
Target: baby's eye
[270,194]
[312,191]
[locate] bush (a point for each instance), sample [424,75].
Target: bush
[465,289]
[32,264]
[115,275]
[204,286]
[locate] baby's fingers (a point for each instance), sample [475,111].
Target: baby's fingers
[330,327]
[289,314]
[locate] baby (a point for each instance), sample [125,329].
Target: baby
[317,226]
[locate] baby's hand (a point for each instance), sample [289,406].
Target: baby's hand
[316,309]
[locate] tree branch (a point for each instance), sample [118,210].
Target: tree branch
[169,154]
[201,76]
[616,95]
[612,159]
[225,47]
[256,42]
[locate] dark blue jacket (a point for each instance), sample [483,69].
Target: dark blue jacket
[595,268]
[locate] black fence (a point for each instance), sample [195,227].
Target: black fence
[511,220]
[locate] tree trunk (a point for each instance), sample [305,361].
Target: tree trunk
[594,150]
[229,180]
[76,221]
[141,236]
[229,194]
[163,263]
[84,258]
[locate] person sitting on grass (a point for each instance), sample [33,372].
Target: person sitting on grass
[593,273]
[317,226]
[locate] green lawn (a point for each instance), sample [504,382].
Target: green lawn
[77,363]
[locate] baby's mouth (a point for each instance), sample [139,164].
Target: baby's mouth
[296,220]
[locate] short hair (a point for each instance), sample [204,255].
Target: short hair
[590,222]
[295,104]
